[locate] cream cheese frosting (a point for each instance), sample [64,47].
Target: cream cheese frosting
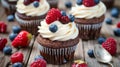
[30,10]
[81,11]
[64,32]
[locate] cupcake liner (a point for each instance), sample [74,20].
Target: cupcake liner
[57,56]
[29,25]
[89,31]
[9,8]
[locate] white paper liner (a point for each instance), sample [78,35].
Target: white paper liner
[57,52]
[89,26]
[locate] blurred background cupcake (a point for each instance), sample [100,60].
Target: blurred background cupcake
[108,3]
[9,6]
[58,37]
[89,16]
[53,3]
[30,13]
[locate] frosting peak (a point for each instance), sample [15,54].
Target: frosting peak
[81,11]
[30,10]
[64,32]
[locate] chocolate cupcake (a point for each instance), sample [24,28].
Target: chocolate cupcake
[58,38]
[53,3]
[9,6]
[30,13]
[89,17]
[108,3]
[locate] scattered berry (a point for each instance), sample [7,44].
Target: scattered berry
[89,3]
[36,4]
[64,19]
[71,17]
[79,2]
[97,1]
[22,39]
[68,4]
[79,63]
[38,63]
[27,2]
[38,57]
[101,40]
[17,57]
[63,13]
[3,27]
[18,64]
[115,12]
[16,29]
[110,46]
[90,53]
[117,32]
[10,18]
[53,15]
[7,50]
[53,28]
[118,24]
[3,42]
[108,21]
[12,36]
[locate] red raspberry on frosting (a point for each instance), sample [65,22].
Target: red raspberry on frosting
[89,3]
[53,15]
[64,19]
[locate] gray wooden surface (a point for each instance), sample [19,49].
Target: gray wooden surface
[80,53]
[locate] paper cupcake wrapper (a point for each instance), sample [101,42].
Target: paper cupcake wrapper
[89,31]
[31,26]
[9,8]
[57,56]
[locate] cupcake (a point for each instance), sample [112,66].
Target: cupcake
[53,3]
[9,6]
[89,16]
[108,3]
[58,37]
[30,13]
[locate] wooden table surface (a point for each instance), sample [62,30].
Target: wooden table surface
[80,53]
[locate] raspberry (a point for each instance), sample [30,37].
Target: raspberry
[64,19]
[3,42]
[110,46]
[38,63]
[89,3]
[53,15]
[17,57]
[118,24]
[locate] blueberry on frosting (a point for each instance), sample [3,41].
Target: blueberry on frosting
[53,28]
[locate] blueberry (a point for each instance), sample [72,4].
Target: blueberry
[63,13]
[12,36]
[7,50]
[90,53]
[16,29]
[108,21]
[71,17]
[68,4]
[36,4]
[117,32]
[38,57]
[18,64]
[10,18]
[96,1]
[53,28]
[115,12]
[79,2]
[101,40]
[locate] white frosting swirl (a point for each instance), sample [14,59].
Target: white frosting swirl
[64,32]
[81,11]
[30,10]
